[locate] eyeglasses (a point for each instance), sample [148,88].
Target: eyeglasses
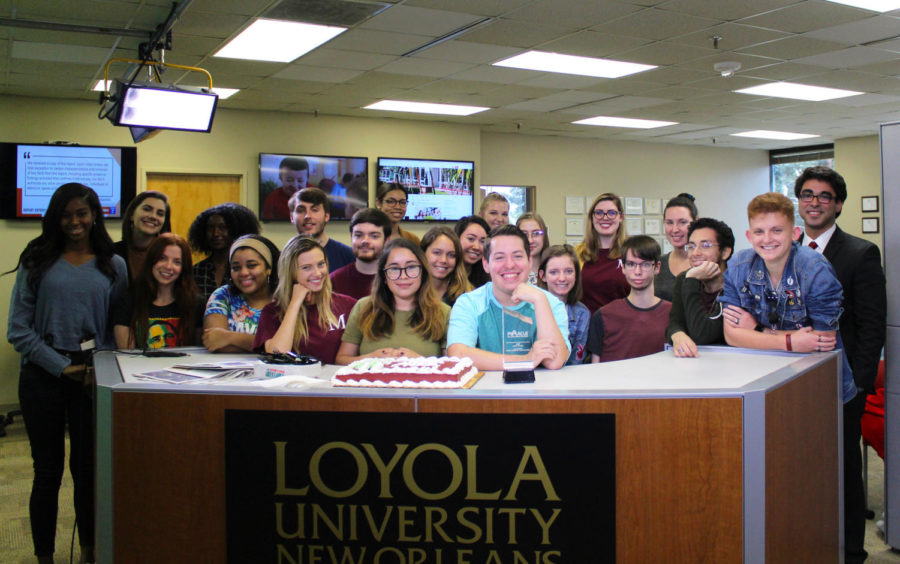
[535,233]
[393,202]
[772,301]
[807,196]
[639,265]
[690,247]
[600,214]
[411,271]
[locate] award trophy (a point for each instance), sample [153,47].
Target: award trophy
[517,340]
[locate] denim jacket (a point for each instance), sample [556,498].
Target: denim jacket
[809,294]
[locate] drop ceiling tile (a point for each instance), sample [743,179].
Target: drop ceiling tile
[567,81]
[593,44]
[381,81]
[664,53]
[572,13]
[481,7]
[726,9]
[250,68]
[511,33]
[793,47]
[316,74]
[60,53]
[422,21]
[679,92]
[791,72]
[539,105]
[339,58]
[891,68]
[807,16]
[657,24]
[748,63]
[674,75]
[847,58]
[868,100]
[615,106]
[210,24]
[500,75]
[468,52]
[892,45]
[860,32]
[855,80]
[374,41]
[425,67]
[733,36]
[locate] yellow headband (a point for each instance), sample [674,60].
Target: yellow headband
[254,244]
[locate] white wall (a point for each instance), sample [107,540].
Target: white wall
[723,180]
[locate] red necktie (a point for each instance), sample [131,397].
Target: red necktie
[813,245]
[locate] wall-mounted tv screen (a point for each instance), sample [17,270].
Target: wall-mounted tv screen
[29,174]
[344,179]
[436,190]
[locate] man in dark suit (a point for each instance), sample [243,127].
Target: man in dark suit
[821,192]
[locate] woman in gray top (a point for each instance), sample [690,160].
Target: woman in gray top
[66,280]
[677,217]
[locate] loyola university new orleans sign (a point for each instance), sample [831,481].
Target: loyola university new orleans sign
[392,488]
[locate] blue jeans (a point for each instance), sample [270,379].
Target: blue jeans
[48,405]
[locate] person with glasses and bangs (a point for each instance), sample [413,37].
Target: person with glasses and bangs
[635,325]
[790,292]
[404,315]
[534,227]
[696,316]
[601,253]
[391,198]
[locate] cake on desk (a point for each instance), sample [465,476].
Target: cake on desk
[403,372]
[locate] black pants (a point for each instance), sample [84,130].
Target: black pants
[854,492]
[49,404]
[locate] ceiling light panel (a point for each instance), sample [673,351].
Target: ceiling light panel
[425,108]
[778,135]
[874,5]
[797,91]
[572,64]
[608,121]
[277,41]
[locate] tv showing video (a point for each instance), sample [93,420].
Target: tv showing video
[344,179]
[32,173]
[437,190]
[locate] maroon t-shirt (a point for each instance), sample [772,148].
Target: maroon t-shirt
[321,344]
[602,281]
[351,282]
[620,330]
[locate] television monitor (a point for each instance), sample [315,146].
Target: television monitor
[344,179]
[521,198]
[437,190]
[31,173]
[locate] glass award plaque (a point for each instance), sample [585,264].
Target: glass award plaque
[518,331]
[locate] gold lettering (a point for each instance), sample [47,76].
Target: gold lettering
[353,535]
[319,515]
[285,556]
[403,522]
[512,521]
[489,525]
[476,530]
[314,553]
[546,557]
[315,475]
[472,479]
[279,522]
[463,553]
[397,551]
[418,553]
[531,453]
[377,532]
[545,525]
[493,557]
[519,558]
[455,467]
[280,471]
[385,469]
[347,556]
[436,525]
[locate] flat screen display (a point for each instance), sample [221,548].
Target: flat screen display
[344,179]
[31,173]
[437,190]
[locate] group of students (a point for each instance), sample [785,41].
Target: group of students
[612,297]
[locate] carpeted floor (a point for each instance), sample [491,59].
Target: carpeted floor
[15,486]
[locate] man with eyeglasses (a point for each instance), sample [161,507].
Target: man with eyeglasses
[369,230]
[478,318]
[696,316]
[635,325]
[821,193]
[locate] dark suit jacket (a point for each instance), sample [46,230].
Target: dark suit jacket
[857,263]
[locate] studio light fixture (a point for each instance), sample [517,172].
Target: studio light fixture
[425,108]
[634,123]
[573,64]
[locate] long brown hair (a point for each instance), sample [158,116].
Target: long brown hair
[376,316]
[458,281]
[287,277]
[146,288]
[562,251]
[589,249]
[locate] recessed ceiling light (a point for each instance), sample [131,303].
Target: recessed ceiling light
[571,64]
[607,121]
[225,92]
[278,41]
[779,135]
[874,5]
[425,108]
[798,91]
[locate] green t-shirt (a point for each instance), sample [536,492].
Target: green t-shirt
[403,335]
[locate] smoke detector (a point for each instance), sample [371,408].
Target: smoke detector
[727,68]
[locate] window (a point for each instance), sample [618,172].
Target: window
[786,165]
[521,199]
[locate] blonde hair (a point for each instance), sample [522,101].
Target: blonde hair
[771,202]
[287,276]
[492,197]
[589,249]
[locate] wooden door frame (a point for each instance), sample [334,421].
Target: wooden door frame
[242,174]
